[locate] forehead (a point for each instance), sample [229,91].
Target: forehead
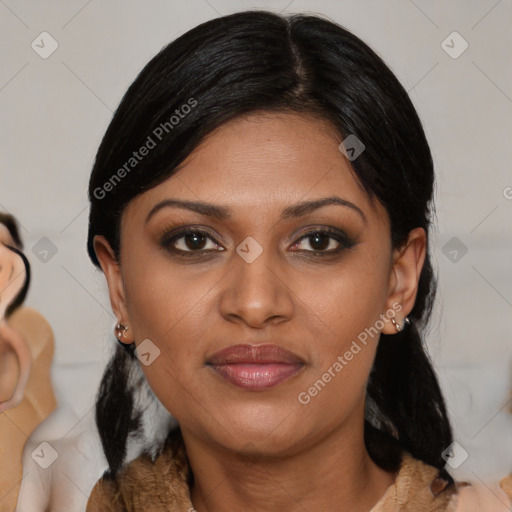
[262,162]
[269,151]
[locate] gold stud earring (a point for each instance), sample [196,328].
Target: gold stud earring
[120,330]
[398,327]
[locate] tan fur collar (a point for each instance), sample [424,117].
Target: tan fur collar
[164,485]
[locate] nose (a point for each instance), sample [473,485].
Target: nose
[256,293]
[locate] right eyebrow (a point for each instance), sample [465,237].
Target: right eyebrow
[206,209]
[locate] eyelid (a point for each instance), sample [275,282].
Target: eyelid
[169,238]
[178,227]
[180,231]
[343,239]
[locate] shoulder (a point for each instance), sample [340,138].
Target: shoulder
[34,328]
[480,497]
[420,487]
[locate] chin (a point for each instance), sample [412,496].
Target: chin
[255,434]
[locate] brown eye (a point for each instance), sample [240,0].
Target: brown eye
[323,241]
[191,241]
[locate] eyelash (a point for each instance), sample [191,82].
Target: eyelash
[344,241]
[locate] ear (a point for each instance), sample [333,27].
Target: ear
[13,275]
[112,271]
[404,277]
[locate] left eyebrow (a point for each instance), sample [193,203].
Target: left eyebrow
[222,213]
[306,207]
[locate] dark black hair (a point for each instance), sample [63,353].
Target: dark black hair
[260,61]
[11,224]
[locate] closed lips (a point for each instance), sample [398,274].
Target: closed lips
[256,367]
[259,354]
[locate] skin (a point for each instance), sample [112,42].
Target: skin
[15,357]
[12,271]
[253,450]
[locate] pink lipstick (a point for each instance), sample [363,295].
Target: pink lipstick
[256,367]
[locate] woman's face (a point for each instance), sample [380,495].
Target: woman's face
[12,271]
[250,274]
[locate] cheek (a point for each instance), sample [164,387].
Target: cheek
[12,276]
[342,311]
[345,299]
[341,314]
[5,267]
[169,304]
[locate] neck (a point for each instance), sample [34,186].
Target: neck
[334,474]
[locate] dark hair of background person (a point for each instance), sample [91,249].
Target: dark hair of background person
[260,61]
[11,224]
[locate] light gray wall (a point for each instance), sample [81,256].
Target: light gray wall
[54,112]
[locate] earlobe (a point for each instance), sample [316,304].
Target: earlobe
[405,274]
[112,270]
